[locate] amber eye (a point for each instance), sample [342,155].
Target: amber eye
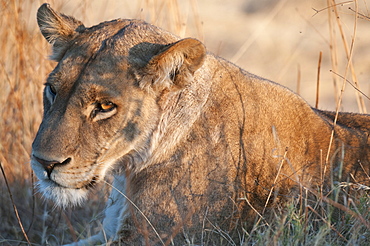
[106,107]
[103,110]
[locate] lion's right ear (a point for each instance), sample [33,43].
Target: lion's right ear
[175,64]
[58,29]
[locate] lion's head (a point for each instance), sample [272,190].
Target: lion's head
[103,101]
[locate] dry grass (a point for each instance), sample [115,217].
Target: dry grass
[337,219]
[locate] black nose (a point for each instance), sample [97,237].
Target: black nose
[49,165]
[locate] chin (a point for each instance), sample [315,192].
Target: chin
[62,196]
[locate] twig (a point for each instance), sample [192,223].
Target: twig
[299,79]
[354,86]
[14,207]
[341,207]
[276,178]
[331,227]
[179,227]
[349,49]
[331,6]
[33,204]
[349,53]
[333,50]
[70,226]
[318,81]
[361,15]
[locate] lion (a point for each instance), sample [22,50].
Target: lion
[196,146]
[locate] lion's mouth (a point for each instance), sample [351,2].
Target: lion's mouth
[63,195]
[88,185]
[59,181]
[66,186]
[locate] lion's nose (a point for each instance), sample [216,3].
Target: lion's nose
[49,165]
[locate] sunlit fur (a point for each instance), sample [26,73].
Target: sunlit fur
[193,141]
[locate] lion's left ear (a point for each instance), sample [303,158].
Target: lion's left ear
[58,29]
[175,64]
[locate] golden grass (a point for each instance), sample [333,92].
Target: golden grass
[24,67]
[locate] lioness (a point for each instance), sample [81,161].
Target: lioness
[196,145]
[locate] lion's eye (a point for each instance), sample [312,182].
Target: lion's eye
[103,111]
[106,107]
[50,92]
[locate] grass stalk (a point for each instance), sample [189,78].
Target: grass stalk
[318,81]
[14,206]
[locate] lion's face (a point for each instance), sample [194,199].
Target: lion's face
[102,102]
[94,113]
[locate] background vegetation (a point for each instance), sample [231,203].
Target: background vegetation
[277,39]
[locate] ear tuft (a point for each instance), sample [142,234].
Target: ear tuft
[58,29]
[175,64]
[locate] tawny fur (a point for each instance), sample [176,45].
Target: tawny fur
[192,140]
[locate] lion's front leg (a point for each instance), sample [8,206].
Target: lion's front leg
[115,214]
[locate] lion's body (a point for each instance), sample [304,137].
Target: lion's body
[193,140]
